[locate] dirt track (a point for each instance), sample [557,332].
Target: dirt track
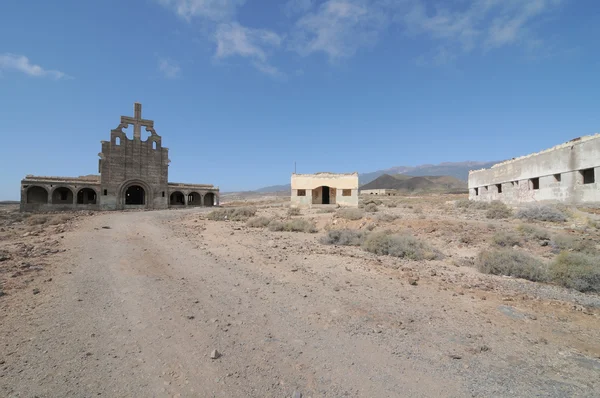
[136,309]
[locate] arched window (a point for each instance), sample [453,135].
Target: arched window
[117,141]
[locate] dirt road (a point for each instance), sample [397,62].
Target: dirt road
[136,309]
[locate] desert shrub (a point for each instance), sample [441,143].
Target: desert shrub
[370,226]
[396,245]
[392,204]
[418,210]
[506,239]
[59,219]
[566,242]
[578,271]
[232,214]
[511,262]
[541,213]
[296,225]
[386,217]
[463,203]
[350,214]
[325,210]
[533,232]
[369,201]
[371,208]
[258,222]
[344,237]
[38,219]
[497,210]
[293,211]
[467,239]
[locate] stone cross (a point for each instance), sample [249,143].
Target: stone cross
[137,121]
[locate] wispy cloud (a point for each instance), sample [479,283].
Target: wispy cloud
[215,10]
[22,64]
[294,7]
[339,28]
[234,39]
[478,24]
[169,68]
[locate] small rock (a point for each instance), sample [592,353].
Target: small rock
[190,317]
[412,281]
[106,227]
[455,356]
[297,394]
[36,291]
[215,354]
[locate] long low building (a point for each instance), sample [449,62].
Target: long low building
[565,173]
[134,174]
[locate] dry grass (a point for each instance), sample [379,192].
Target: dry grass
[506,239]
[387,217]
[511,262]
[350,214]
[293,211]
[396,245]
[258,222]
[232,214]
[344,237]
[371,208]
[578,271]
[563,242]
[325,210]
[38,219]
[541,213]
[533,232]
[498,210]
[296,225]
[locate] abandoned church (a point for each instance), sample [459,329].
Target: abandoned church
[566,173]
[133,175]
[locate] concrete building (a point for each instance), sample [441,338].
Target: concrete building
[133,174]
[565,173]
[382,192]
[325,189]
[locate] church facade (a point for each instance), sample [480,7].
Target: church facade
[134,174]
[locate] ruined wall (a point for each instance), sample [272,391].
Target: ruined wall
[125,162]
[194,195]
[343,189]
[566,173]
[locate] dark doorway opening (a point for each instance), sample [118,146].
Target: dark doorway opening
[135,195]
[62,196]
[177,199]
[209,199]
[86,196]
[194,199]
[325,195]
[37,195]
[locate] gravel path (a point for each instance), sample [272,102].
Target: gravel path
[137,308]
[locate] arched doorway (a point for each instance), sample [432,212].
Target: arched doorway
[37,195]
[323,195]
[135,195]
[194,199]
[177,199]
[209,199]
[86,196]
[62,196]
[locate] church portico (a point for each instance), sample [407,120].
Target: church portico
[133,175]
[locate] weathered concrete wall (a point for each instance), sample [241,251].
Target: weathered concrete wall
[566,173]
[386,192]
[194,195]
[307,189]
[44,194]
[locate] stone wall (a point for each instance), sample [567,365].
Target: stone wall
[47,193]
[566,173]
[311,189]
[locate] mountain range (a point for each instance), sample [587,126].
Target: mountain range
[458,170]
[421,184]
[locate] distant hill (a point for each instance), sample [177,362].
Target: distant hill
[458,170]
[419,184]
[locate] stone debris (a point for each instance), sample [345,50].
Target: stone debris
[297,394]
[215,354]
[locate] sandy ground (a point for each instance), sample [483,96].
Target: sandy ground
[133,304]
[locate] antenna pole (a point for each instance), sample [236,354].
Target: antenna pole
[294,167]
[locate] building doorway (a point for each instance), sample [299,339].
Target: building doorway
[325,195]
[135,195]
[177,199]
[209,199]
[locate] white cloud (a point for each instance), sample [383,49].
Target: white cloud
[293,7]
[215,10]
[339,28]
[21,63]
[478,24]
[169,68]
[234,39]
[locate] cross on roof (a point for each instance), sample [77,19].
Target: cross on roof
[138,122]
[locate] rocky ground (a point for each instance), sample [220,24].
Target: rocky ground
[136,303]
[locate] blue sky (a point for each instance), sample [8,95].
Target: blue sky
[240,89]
